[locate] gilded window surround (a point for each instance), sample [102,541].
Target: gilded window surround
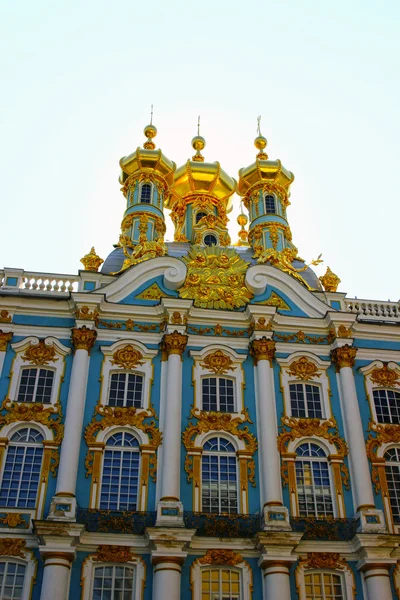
[15,550]
[380,375]
[221,558]
[327,562]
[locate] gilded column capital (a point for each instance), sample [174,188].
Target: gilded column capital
[344,356]
[4,339]
[174,343]
[263,349]
[83,338]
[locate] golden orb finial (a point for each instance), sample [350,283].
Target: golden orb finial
[198,144]
[260,142]
[150,131]
[91,261]
[330,281]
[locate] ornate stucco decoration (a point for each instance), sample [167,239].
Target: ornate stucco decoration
[386,433]
[324,560]
[330,281]
[4,339]
[292,429]
[215,278]
[40,354]
[344,332]
[5,316]
[39,413]
[218,362]
[303,369]
[108,553]
[174,343]
[385,377]
[12,520]
[12,547]
[83,338]
[127,357]
[212,223]
[153,292]
[263,349]
[91,261]
[145,249]
[86,314]
[275,300]
[344,356]
[221,557]
[302,338]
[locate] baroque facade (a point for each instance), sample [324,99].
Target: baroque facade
[199,419]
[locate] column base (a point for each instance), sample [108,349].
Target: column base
[169,514]
[62,508]
[276,518]
[371,520]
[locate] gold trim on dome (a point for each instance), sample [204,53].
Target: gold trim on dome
[303,369]
[221,557]
[13,520]
[330,281]
[83,338]
[263,349]
[127,357]
[153,292]
[344,356]
[275,300]
[145,249]
[91,261]
[4,339]
[215,278]
[385,377]
[108,553]
[324,560]
[86,314]
[40,354]
[5,316]
[174,343]
[293,429]
[12,547]
[218,362]
[28,411]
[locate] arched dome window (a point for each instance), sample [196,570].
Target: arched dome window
[313,481]
[219,477]
[392,468]
[210,239]
[270,204]
[199,216]
[120,478]
[145,193]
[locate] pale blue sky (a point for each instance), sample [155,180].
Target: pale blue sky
[77,80]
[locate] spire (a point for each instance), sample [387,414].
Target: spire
[198,144]
[260,142]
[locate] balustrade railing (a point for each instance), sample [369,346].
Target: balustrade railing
[325,529]
[373,310]
[115,521]
[18,280]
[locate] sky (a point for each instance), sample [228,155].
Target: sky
[78,78]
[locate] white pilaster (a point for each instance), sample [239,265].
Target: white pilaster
[55,584]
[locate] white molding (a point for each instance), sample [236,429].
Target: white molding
[346,574]
[89,566]
[245,578]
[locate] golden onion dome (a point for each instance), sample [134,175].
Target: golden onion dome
[147,159]
[197,177]
[263,170]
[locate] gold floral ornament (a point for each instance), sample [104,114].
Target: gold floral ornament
[86,314]
[5,316]
[4,339]
[145,249]
[127,357]
[386,433]
[344,332]
[275,300]
[218,362]
[385,377]
[324,560]
[215,278]
[293,429]
[40,354]
[174,343]
[12,547]
[153,292]
[83,338]
[344,356]
[91,261]
[263,349]
[330,281]
[221,557]
[303,369]
[118,554]
[13,520]
[28,411]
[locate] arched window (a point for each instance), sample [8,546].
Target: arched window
[305,400]
[387,406]
[221,583]
[218,394]
[392,469]
[145,193]
[126,389]
[120,478]
[313,481]
[35,385]
[270,208]
[210,239]
[113,581]
[21,475]
[320,585]
[199,216]
[219,477]
[12,577]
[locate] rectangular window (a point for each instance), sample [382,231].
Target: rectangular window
[35,385]
[113,582]
[220,584]
[305,401]
[120,480]
[323,586]
[387,406]
[218,394]
[21,476]
[126,389]
[12,577]
[219,487]
[313,488]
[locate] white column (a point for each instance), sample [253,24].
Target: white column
[83,340]
[363,496]
[55,584]
[167,578]
[377,581]
[174,344]
[263,351]
[276,581]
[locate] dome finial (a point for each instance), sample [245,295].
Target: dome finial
[150,131]
[198,144]
[260,142]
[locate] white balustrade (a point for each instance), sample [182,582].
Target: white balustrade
[373,310]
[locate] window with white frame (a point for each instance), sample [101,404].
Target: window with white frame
[113,582]
[120,475]
[218,394]
[387,405]
[323,585]
[392,468]
[270,205]
[221,583]
[35,385]
[305,400]
[21,474]
[145,193]
[126,389]
[12,578]
[219,486]
[313,481]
